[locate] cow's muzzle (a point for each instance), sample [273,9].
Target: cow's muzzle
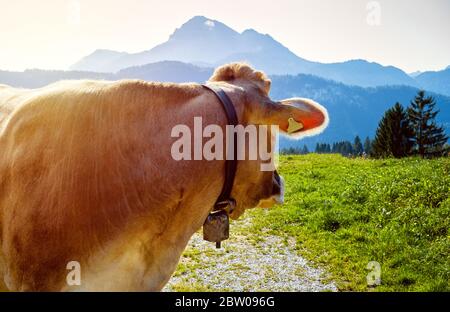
[277,194]
[278,188]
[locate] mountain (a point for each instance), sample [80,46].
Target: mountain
[206,42]
[267,54]
[415,74]
[353,110]
[363,73]
[436,81]
[36,78]
[99,61]
[167,71]
[211,43]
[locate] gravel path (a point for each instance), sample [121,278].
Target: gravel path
[246,263]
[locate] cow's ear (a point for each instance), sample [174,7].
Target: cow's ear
[297,117]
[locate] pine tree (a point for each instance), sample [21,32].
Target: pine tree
[367,145]
[429,139]
[334,148]
[337,147]
[393,136]
[322,148]
[305,149]
[357,146]
[348,148]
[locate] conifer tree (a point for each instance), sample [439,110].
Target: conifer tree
[348,148]
[317,150]
[429,139]
[305,149]
[367,145]
[357,146]
[393,136]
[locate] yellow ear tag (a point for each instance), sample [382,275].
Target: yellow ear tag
[294,125]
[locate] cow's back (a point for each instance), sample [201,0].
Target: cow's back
[28,127]
[10,99]
[40,131]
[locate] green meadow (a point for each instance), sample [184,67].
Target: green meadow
[344,213]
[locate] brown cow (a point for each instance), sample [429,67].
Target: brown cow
[86,175]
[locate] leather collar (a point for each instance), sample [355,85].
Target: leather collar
[225,201]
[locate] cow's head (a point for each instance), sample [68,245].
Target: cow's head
[296,118]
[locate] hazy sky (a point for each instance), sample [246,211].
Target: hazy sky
[410,34]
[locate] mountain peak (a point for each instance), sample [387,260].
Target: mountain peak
[250,31]
[198,20]
[106,51]
[202,26]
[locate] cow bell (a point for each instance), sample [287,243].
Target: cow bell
[216,227]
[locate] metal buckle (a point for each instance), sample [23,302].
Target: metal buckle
[230,203]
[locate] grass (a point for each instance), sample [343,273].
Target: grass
[345,213]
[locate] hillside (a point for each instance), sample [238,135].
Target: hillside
[436,81]
[36,78]
[166,71]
